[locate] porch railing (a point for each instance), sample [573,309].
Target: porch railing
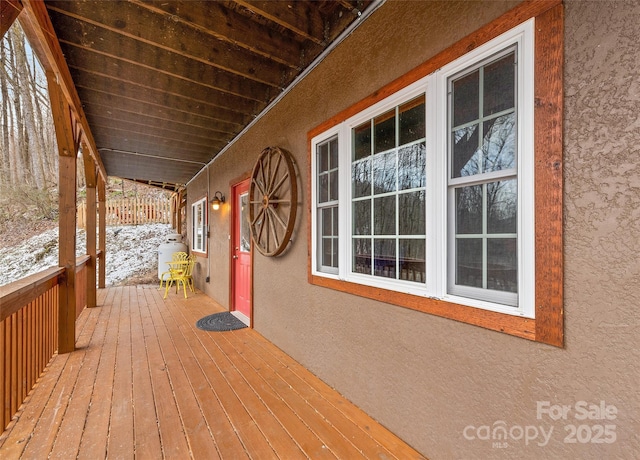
[29,331]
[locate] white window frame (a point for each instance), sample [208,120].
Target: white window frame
[434,87]
[199,228]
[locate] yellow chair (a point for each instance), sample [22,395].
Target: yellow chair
[181,275]
[175,257]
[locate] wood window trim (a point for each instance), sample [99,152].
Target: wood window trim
[548,324]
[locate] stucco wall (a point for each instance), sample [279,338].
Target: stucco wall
[428,378]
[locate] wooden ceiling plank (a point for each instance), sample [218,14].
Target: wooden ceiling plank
[128,166]
[191,72]
[167,107]
[134,129]
[203,128]
[115,41]
[212,79]
[9,11]
[43,40]
[152,144]
[302,18]
[148,123]
[218,108]
[212,18]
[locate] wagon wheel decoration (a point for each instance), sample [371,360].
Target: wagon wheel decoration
[273,198]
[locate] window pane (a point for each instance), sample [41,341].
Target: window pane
[361,178]
[384,172]
[469,262]
[499,85]
[323,188]
[333,185]
[333,154]
[327,222]
[362,141]
[330,252]
[469,210]
[411,213]
[412,126]
[411,260]
[502,264]
[499,143]
[245,228]
[411,167]
[466,154]
[385,215]
[502,206]
[362,217]
[335,221]
[385,258]
[466,98]
[361,256]
[385,131]
[323,157]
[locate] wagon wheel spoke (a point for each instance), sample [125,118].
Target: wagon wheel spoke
[278,219]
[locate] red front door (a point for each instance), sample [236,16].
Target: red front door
[241,253]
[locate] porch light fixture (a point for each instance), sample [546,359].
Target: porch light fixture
[218,199]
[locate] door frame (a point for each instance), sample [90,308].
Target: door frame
[233,215]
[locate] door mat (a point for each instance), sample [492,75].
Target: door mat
[220,322]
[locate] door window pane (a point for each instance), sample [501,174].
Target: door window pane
[245,228]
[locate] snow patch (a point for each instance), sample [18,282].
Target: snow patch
[131,250]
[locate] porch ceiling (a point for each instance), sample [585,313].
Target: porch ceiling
[167,84]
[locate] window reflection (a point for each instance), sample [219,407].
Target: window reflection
[388,194]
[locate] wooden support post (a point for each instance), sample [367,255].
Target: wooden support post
[90,224]
[67,163]
[102,231]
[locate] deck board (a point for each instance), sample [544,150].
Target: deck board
[144,382]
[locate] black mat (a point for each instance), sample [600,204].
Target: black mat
[220,322]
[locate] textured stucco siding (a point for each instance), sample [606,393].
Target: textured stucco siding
[428,378]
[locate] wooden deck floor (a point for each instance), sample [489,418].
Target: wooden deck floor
[146,383]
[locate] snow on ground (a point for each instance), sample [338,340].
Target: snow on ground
[131,250]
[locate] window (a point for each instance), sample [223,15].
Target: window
[327,205]
[427,198]
[199,226]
